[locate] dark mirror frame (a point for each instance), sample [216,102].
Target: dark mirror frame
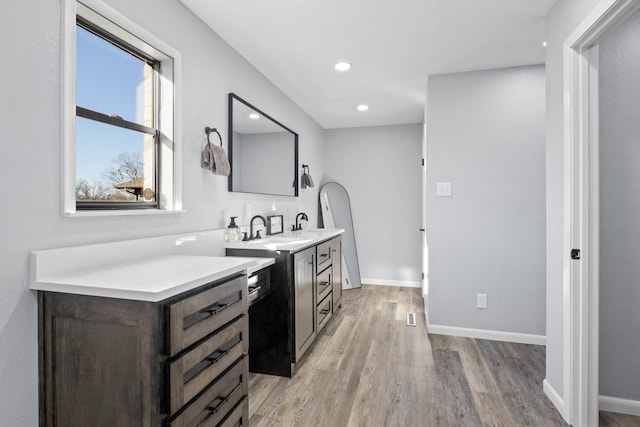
[231,98]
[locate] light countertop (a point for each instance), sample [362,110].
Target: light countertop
[162,267]
[292,241]
[152,279]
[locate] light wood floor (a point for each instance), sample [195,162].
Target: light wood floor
[367,368]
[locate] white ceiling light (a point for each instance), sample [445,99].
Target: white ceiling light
[254,116]
[342,66]
[363,107]
[544,44]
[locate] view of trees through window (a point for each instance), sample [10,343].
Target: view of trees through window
[127,168]
[115,134]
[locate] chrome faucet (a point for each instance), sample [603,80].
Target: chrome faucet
[298,226]
[258,236]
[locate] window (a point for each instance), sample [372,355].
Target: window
[116,137]
[120,150]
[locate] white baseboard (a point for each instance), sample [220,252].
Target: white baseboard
[385,282]
[619,406]
[487,334]
[555,398]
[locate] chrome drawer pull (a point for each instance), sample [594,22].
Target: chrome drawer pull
[216,359]
[324,311]
[325,283]
[324,255]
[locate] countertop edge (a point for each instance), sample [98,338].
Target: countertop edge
[293,247]
[63,285]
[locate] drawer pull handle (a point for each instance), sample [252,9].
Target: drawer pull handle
[217,358]
[325,255]
[325,311]
[223,400]
[325,283]
[215,309]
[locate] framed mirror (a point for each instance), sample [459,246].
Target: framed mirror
[263,153]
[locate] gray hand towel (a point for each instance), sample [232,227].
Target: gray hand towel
[306,181]
[215,159]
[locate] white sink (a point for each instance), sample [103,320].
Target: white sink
[279,241]
[291,241]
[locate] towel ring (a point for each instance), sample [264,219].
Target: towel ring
[208,130]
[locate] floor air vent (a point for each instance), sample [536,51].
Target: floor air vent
[411,319]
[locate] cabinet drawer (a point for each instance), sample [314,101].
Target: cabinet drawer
[195,317]
[323,284]
[218,399]
[238,417]
[323,256]
[324,311]
[196,369]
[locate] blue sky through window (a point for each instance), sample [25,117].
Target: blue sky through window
[110,81]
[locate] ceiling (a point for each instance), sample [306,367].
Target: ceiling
[392,45]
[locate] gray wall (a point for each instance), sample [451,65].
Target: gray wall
[620,211]
[380,168]
[30,162]
[561,21]
[267,162]
[485,135]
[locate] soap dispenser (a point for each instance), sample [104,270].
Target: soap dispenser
[232,234]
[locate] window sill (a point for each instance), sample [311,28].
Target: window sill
[122,212]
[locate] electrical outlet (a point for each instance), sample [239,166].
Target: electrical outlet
[481,301]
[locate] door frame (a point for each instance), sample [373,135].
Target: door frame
[424,235]
[581,211]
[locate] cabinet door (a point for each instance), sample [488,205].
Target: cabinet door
[305,308]
[100,364]
[336,255]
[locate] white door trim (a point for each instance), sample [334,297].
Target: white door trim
[581,213]
[424,241]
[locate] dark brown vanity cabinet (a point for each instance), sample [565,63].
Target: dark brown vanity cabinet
[116,362]
[301,302]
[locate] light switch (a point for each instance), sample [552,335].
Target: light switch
[443,189]
[481,301]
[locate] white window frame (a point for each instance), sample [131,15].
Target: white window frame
[170,173]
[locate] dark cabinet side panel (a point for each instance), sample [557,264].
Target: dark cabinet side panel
[83,341]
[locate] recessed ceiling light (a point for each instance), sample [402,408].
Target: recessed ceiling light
[544,44]
[363,107]
[254,116]
[342,66]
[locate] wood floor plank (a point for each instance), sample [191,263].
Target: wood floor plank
[401,410]
[403,304]
[460,408]
[492,410]
[335,350]
[368,406]
[477,371]
[261,387]
[368,368]
[609,419]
